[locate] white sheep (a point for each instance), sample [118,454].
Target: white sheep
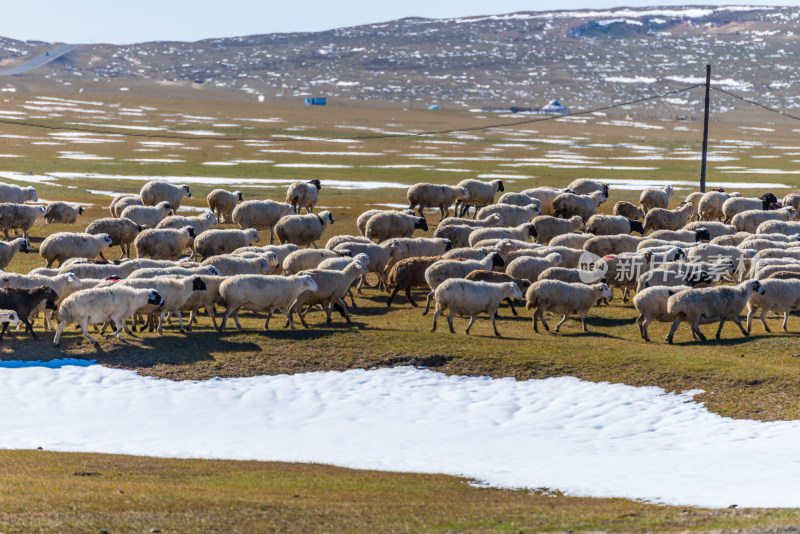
[565,298]
[603,245]
[529,268]
[781,296]
[332,286]
[480,194]
[521,233]
[156,192]
[262,215]
[62,246]
[425,195]
[379,257]
[122,201]
[504,247]
[122,232]
[344,238]
[585,186]
[62,213]
[715,228]
[303,195]
[570,257]
[15,194]
[99,270]
[735,205]
[148,215]
[709,207]
[492,221]
[573,276]
[303,230]
[548,227]
[163,243]
[467,297]
[222,203]
[570,240]
[174,290]
[231,265]
[10,249]
[155,272]
[309,258]
[567,205]
[664,219]
[651,303]
[101,305]
[262,293]
[787,228]
[684,236]
[655,198]
[441,270]
[518,199]
[19,216]
[512,215]
[457,234]
[612,225]
[709,305]
[748,221]
[361,221]
[628,210]
[545,195]
[391,224]
[217,241]
[207,300]
[200,223]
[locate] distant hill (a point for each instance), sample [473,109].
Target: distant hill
[582,58]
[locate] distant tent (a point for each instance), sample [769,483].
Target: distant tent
[434,107]
[555,108]
[315,101]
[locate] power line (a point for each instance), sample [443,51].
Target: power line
[757,104]
[101,131]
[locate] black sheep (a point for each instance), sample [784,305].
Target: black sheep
[24,301]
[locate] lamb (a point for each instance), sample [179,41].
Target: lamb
[780,295]
[787,228]
[664,219]
[216,241]
[120,202]
[200,223]
[521,233]
[262,215]
[570,240]
[409,274]
[10,249]
[735,205]
[361,222]
[491,221]
[709,208]
[174,292]
[332,286]
[389,224]
[564,298]
[499,278]
[222,203]
[425,195]
[655,198]
[25,301]
[585,186]
[567,205]
[480,194]
[545,195]
[62,246]
[512,215]
[603,245]
[303,195]
[709,305]
[715,228]
[684,236]
[148,215]
[230,265]
[122,232]
[303,229]
[13,216]
[471,298]
[748,221]
[548,227]
[612,225]
[14,194]
[651,303]
[518,199]
[444,269]
[101,305]
[302,260]
[263,293]
[529,268]
[628,210]
[62,213]
[163,243]
[154,193]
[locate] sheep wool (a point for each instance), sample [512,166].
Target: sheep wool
[261,215]
[468,297]
[222,203]
[303,195]
[424,195]
[156,192]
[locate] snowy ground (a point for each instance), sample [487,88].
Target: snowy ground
[579,437]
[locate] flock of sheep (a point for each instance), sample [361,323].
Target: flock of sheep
[703,262]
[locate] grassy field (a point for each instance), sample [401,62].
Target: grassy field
[755,377]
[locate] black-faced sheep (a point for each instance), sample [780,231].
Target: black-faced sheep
[480,194]
[62,246]
[390,224]
[567,205]
[303,195]
[163,243]
[122,232]
[62,213]
[222,203]
[423,196]
[148,216]
[303,230]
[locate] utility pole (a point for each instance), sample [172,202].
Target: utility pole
[705,131]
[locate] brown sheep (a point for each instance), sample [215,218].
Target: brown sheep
[409,273]
[626,209]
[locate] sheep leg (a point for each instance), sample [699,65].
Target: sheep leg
[87,336]
[341,307]
[450,317]
[271,236]
[122,248]
[436,318]
[536,321]
[675,324]
[785,321]
[288,317]
[764,321]
[625,292]
[562,321]
[269,316]
[59,331]
[213,314]
[119,322]
[5,327]
[29,327]
[410,298]
[160,321]
[471,322]
[180,320]
[352,300]
[645,329]
[228,313]
[236,319]
[719,330]
[541,318]
[392,295]
[511,303]
[493,316]
[428,303]
[697,331]
[750,313]
[738,322]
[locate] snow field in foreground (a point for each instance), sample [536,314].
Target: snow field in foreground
[583,438]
